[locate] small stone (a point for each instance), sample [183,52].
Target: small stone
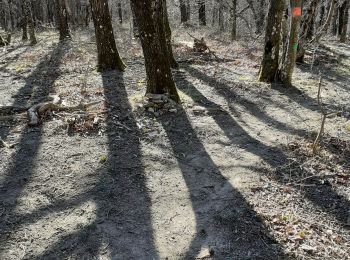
[173,110]
[156,114]
[151,110]
[308,249]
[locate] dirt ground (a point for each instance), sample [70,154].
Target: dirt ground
[229,174]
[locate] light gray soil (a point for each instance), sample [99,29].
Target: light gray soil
[222,178]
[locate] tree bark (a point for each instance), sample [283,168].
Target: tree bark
[234,20]
[108,55]
[63,20]
[202,13]
[341,17]
[120,13]
[345,22]
[269,64]
[188,5]
[24,24]
[327,23]
[150,20]
[261,15]
[29,20]
[334,28]
[286,71]
[183,11]
[307,29]
[167,29]
[322,14]
[221,16]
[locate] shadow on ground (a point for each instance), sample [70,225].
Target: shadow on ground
[122,227]
[322,196]
[37,87]
[225,223]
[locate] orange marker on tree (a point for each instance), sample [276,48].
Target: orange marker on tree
[296,11]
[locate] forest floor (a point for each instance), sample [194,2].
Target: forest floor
[229,174]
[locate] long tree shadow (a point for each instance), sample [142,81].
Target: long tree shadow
[37,86]
[332,203]
[234,98]
[328,64]
[12,59]
[123,206]
[39,83]
[225,223]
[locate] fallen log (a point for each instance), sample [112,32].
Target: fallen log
[35,112]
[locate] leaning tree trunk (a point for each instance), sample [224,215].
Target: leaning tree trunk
[286,71]
[108,55]
[150,19]
[345,22]
[167,29]
[63,20]
[269,64]
[29,20]
[202,13]
[234,20]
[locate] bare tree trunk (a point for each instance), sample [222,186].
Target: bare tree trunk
[269,64]
[326,25]
[24,24]
[108,55]
[120,13]
[63,20]
[322,14]
[202,13]
[150,20]
[167,29]
[334,27]
[188,6]
[221,16]
[87,16]
[135,26]
[307,29]
[341,17]
[256,17]
[261,15]
[286,71]
[183,11]
[234,20]
[285,31]
[29,19]
[345,22]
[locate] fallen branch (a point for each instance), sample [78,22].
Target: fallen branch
[206,46]
[35,112]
